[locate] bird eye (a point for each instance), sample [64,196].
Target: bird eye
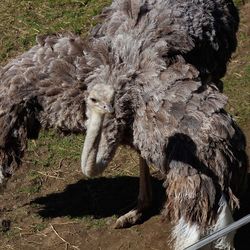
[93,99]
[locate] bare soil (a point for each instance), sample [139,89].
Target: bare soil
[55,208]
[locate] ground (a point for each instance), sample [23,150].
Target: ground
[48,204]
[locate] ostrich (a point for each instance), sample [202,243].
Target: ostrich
[158,63]
[179,126]
[48,82]
[172,114]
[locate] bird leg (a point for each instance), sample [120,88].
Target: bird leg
[144,199]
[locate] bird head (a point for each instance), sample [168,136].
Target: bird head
[99,103]
[100,99]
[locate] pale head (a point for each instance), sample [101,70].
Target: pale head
[100,99]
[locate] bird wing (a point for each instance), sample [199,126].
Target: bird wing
[42,87]
[181,127]
[53,71]
[182,115]
[204,32]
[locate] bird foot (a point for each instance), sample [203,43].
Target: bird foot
[129,219]
[144,201]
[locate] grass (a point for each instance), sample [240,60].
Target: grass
[18,28]
[237,88]
[58,146]
[237,80]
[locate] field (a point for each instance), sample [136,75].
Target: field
[48,204]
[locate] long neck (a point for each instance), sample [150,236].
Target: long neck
[91,145]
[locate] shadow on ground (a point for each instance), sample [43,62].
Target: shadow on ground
[104,197]
[100,197]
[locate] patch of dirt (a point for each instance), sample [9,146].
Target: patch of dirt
[55,208]
[77,214]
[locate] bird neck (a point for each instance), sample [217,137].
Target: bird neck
[91,144]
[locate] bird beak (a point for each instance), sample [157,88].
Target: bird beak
[108,108]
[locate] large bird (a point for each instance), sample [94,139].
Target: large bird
[50,77]
[178,125]
[173,115]
[158,63]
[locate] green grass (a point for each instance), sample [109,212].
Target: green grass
[237,2]
[58,146]
[237,80]
[237,87]
[22,20]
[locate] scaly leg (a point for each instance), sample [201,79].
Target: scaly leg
[144,199]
